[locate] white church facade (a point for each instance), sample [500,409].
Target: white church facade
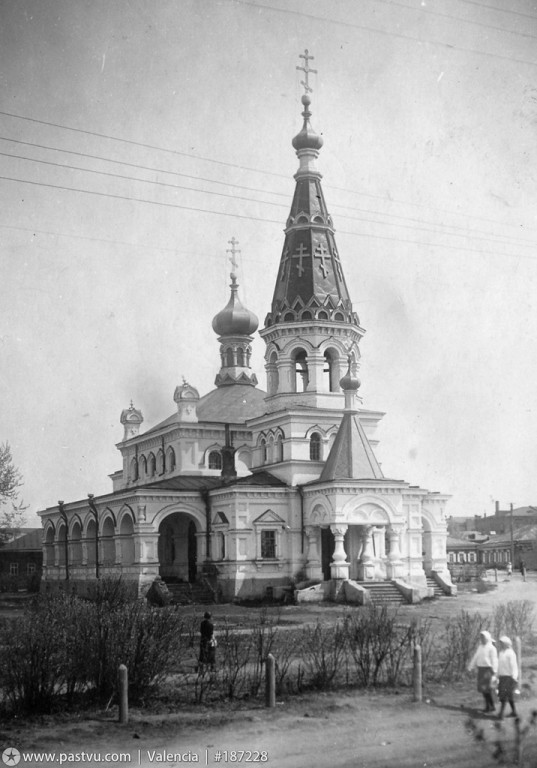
[256,491]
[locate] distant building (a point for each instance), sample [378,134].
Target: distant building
[21,560]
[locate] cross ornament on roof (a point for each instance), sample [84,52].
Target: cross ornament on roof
[307,71]
[233,251]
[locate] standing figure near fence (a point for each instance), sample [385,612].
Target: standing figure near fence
[207,643]
[507,676]
[509,568]
[523,570]
[486,660]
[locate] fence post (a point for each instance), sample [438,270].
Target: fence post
[518,651]
[123,688]
[270,681]
[416,673]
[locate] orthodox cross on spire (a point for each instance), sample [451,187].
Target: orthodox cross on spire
[306,69]
[233,251]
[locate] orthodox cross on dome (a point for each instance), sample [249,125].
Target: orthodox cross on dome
[301,252]
[321,253]
[306,69]
[233,251]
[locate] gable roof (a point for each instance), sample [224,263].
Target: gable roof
[31,540]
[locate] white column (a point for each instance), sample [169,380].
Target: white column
[339,567]
[366,567]
[313,564]
[395,564]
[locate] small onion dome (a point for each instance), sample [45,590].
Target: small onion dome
[235,319]
[131,415]
[307,138]
[349,382]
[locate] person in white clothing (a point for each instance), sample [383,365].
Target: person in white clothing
[507,676]
[486,660]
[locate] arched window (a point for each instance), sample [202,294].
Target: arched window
[289,317]
[322,315]
[315,447]
[160,462]
[170,460]
[301,371]
[328,373]
[306,315]
[229,358]
[142,465]
[279,449]
[215,460]
[240,356]
[263,451]
[152,465]
[339,317]
[134,469]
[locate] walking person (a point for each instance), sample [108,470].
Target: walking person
[523,570]
[207,656]
[486,660]
[509,568]
[507,676]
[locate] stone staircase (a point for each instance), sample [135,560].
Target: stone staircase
[183,593]
[384,593]
[438,591]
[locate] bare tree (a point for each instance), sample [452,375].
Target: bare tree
[10,483]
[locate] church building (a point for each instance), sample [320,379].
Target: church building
[255,492]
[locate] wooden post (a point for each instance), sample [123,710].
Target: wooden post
[518,651]
[416,673]
[270,681]
[123,691]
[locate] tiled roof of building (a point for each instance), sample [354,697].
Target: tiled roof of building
[31,540]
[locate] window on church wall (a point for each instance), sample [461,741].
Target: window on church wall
[152,465]
[301,371]
[230,362]
[170,460]
[268,544]
[134,469]
[315,447]
[160,462]
[240,357]
[270,450]
[279,448]
[272,374]
[221,545]
[263,446]
[215,460]
[142,466]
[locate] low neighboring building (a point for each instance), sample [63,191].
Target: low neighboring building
[497,550]
[21,561]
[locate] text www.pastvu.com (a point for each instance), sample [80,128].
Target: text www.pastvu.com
[12,757]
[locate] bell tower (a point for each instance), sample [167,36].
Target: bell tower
[311,328]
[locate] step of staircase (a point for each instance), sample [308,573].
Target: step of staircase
[438,591]
[383,593]
[183,593]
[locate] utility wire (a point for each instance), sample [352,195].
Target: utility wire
[430,12]
[434,230]
[257,218]
[499,10]
[280,175]
[376,31]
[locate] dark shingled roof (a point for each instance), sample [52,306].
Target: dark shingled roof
[199,482]
[31,540]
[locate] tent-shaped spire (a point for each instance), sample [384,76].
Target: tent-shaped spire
[351,456]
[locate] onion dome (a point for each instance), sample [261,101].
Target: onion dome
[235,319]
[350,382]
[307,138]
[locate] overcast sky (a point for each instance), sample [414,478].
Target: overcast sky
[137,138]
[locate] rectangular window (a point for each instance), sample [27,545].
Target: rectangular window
[14,569]
[268,544]
[471,557]
[30,568]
